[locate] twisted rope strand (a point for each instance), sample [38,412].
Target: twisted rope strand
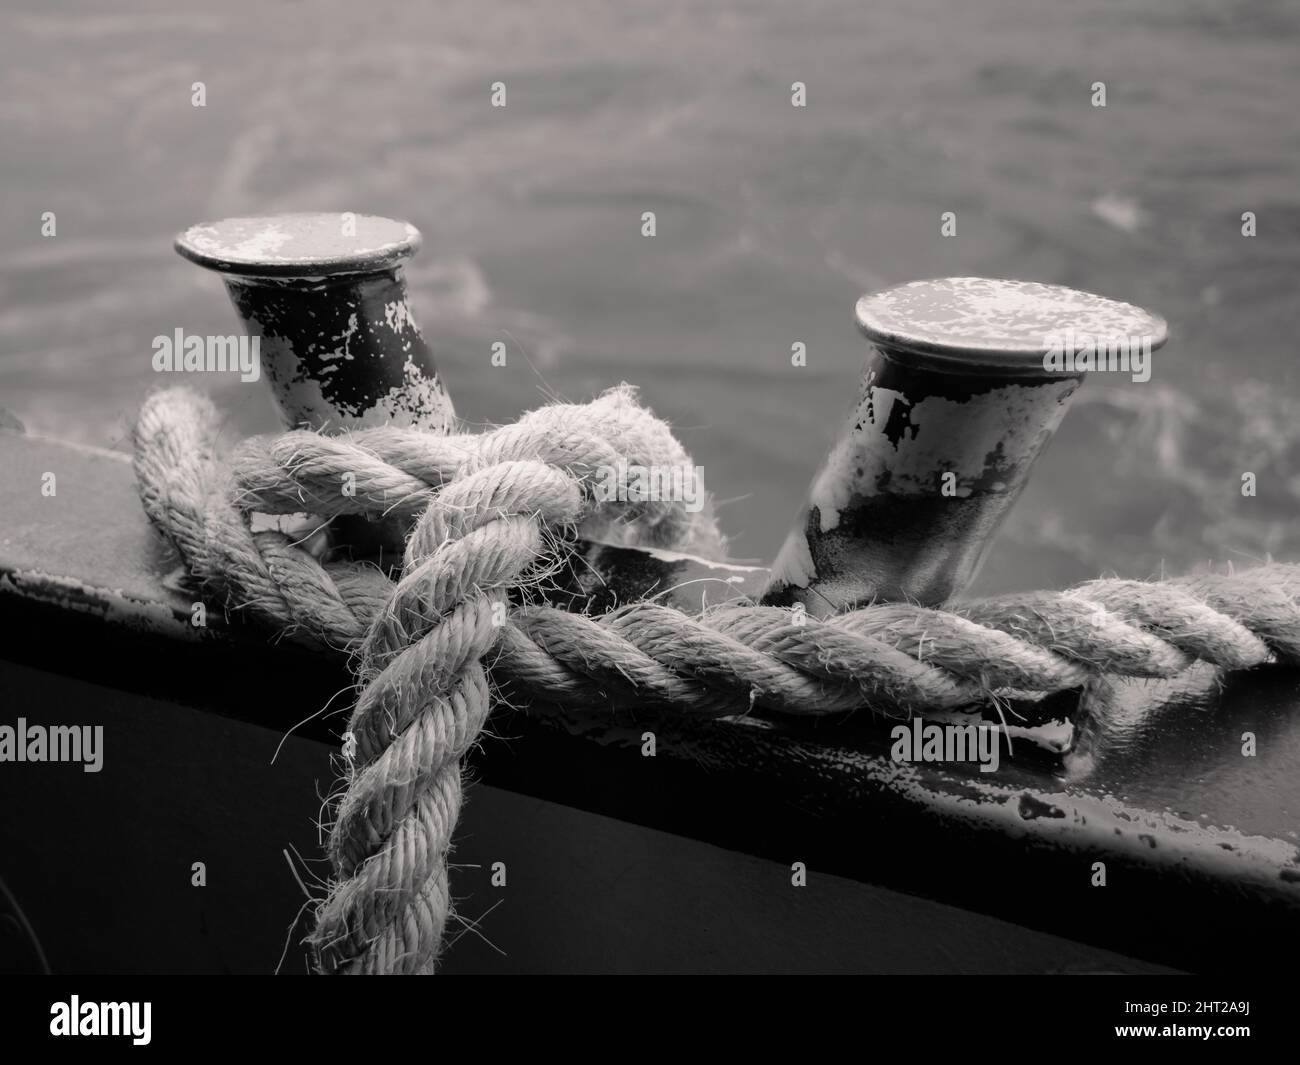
[398,471]
[426,696]
[188,495]
[489,510]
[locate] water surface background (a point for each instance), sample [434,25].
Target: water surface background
[772,220]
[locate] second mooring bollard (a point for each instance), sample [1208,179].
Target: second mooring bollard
[325,296]
[966,381]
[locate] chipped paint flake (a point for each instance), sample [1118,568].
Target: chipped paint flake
[966,438]
[794,565]
[398,316]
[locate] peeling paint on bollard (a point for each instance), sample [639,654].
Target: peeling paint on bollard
[961,392]
[325,293]
[340,348]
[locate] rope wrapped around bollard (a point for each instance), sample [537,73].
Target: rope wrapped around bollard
[493,511]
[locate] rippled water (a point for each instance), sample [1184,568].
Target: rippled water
[772,220]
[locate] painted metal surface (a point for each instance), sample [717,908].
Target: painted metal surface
[325,293]
[340,348]
[956,404]
[84,549]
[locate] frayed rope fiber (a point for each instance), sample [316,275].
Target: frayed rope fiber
[492,510]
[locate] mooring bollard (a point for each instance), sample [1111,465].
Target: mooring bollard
[325,297]
[966,381]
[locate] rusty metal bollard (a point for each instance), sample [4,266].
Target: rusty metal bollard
[965,383]
[325,295]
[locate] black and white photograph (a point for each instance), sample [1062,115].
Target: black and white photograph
[602,488]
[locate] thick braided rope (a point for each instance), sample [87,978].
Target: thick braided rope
[424,702]
[484,530]
[398,472]
[1044,641]
[188,496]
[902,656]
[425,696]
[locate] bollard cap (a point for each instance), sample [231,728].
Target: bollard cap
[324,244]
[988,324]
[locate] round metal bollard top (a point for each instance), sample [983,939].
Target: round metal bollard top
[321,244]
[982,323]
